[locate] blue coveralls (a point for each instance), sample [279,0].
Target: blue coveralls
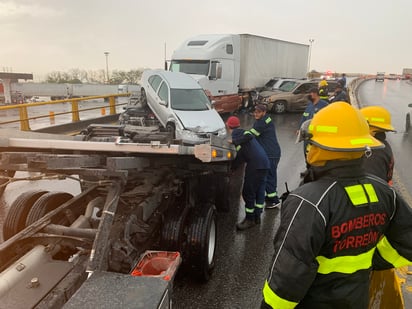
[310,111]
[265,132]
[250,152]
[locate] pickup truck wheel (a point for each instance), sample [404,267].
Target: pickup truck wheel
[408,122]
[172,234]
[15,220]
[143,97]
[170,127]
[45,204]
[279,107]
[201,241]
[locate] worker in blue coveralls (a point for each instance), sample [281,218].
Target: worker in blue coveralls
[250,152]
[265,132]
[314,105]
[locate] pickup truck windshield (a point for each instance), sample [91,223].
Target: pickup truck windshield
[199,67]
[189,99]
[288,86]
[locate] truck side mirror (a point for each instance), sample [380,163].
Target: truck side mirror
[410,105]
[162,102]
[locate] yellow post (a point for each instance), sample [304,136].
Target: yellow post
[103,111]
[24,121]
[75,110]
[112,104]
[51,117]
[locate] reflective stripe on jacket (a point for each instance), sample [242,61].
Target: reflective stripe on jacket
[326,244]
[265,132]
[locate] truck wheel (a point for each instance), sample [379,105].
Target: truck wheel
[172,235]
[408,122]
[170,127]
[201,241]
[279,107]
[222,190]
[15,220]
[45,204]
[143,98]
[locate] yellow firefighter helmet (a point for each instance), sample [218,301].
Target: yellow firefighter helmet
[378,117]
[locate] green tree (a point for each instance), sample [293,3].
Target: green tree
[123,77]
[77,76]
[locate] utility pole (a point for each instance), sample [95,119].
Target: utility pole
[310,54]
[107,66]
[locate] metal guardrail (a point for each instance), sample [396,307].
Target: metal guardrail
[24,119]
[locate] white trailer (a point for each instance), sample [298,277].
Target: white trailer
[41,89]
[60,91]
[85,90]
[236,64]
[407,73]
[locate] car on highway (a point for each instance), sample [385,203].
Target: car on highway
[292,96]
[181,106]
[380,77]
[36,99]
[272,85]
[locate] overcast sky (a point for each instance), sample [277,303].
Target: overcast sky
[41,36]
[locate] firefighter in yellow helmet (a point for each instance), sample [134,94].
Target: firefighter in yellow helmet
[381,162]
[337,227]
[324,90]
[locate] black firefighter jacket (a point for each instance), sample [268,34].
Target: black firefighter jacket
[381,162]
[333,231]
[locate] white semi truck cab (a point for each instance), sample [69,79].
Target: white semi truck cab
[230,67]
[213,60]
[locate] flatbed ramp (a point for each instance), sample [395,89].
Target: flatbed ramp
[107,290]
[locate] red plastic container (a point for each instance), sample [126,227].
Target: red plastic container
[161,264]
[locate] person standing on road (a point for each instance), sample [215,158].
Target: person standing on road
[249,151]
[323,90]
[342,81]
[265,133]
[314,105]
[340,225]
[339,95]
[381,161]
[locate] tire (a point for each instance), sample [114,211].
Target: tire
[143,97]
[170,127]
[279,107]
[15,220]
[201,241]
[45,204]
[408,122]
[172,235]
